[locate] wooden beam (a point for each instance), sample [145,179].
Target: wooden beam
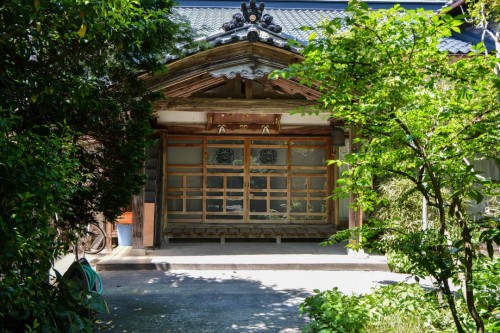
[235,105]
[284,129]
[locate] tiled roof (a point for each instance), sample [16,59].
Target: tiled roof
[208,22]
[454,46]
[318,4]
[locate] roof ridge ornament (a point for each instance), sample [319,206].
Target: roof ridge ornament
[252,14]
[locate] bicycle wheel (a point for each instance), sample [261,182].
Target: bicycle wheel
[94,240]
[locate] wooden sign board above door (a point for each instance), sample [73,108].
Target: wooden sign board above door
[239,122]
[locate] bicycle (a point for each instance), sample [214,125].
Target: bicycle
[93,241]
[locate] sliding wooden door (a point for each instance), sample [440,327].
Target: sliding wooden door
[224,181]
[247,180]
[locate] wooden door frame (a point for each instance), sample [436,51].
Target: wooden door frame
[247,146]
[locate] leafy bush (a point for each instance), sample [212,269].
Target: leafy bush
[75,307]
[395,308]
[399,263]
[66,306]
[38,174]
[333,311]
[413,121]
[401,208]
[402,205]
[74,126]
[487,292]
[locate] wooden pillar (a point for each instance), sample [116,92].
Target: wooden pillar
[158,213]
[355,215]
[163,189]
[335,177]
[109,238]
[138,221]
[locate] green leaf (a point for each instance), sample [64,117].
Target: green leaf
[82,30]
[476,195]
[312,36]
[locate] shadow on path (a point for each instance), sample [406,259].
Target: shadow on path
[154,301]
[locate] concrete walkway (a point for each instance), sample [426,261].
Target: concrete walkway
[202,301]
[209,301]
[242,256]
[232,287]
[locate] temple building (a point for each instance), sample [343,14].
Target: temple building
[235,156]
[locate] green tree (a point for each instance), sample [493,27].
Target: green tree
[74,120]
[485,14]
[421,116]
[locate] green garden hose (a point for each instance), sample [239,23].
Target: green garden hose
[92,277]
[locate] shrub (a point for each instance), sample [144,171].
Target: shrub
[332,311]
[487,292]
[65,306]
[395,308]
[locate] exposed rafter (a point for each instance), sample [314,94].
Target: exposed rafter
[188,86]
[292,87]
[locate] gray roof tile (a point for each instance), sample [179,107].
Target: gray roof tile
[208,24]
[454,46]
[210,20]
[318,4]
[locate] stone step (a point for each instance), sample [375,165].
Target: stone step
[117,265]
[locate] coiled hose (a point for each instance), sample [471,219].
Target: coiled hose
[92,277]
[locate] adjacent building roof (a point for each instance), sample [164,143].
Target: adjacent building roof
[208,18]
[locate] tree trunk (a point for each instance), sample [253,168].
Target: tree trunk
[441,250]
[497,65]
[451,303]
[469,256]
[469,296]
[355,214]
